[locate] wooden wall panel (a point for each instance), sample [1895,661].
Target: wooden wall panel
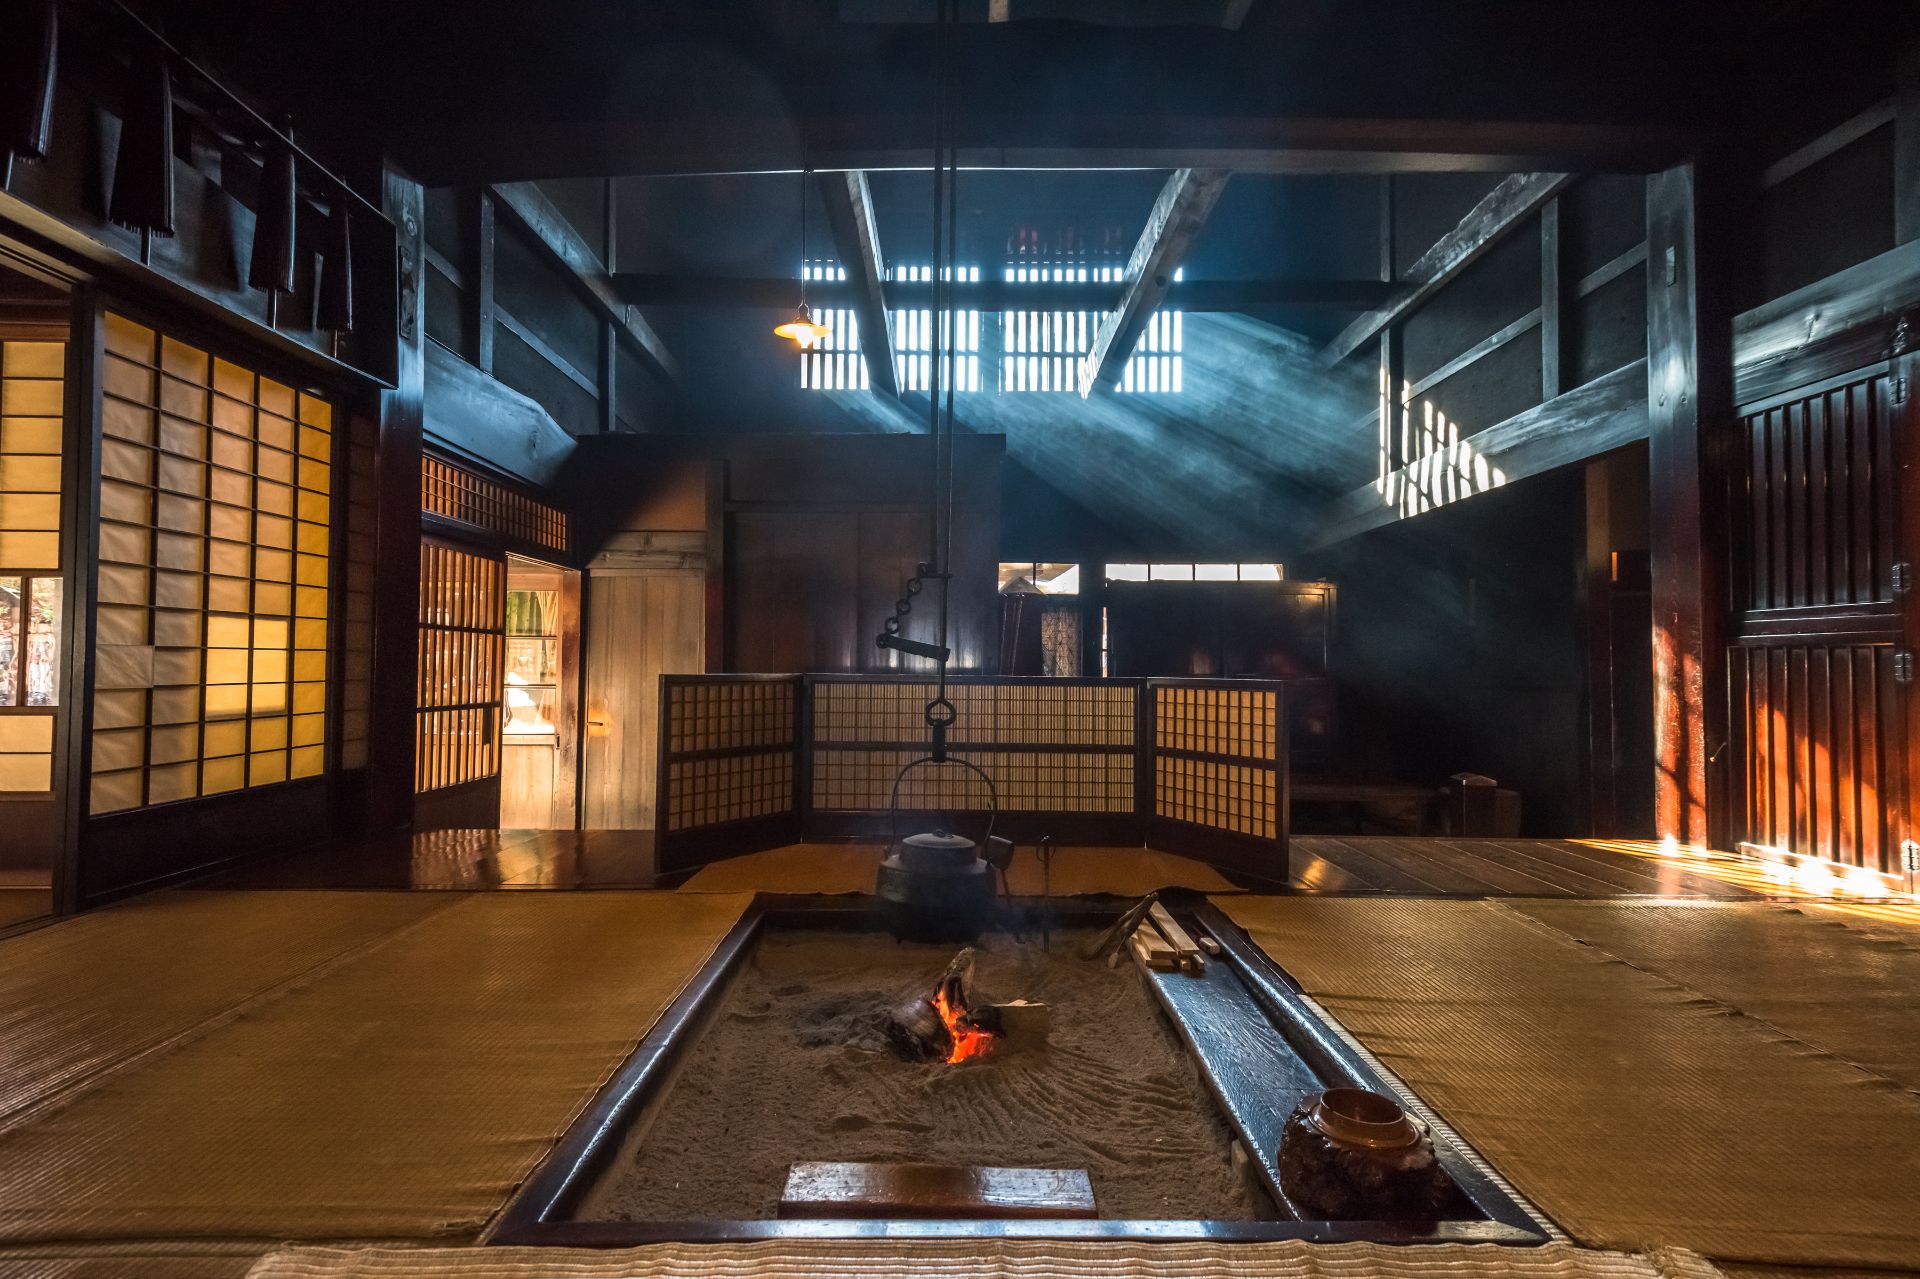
[792,591]
[641,624]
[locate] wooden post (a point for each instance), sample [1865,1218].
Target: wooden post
[1552,303]
[1906,147]
[483,282]
[397,540]
[1690,402]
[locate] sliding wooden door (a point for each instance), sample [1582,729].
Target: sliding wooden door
[1820,661]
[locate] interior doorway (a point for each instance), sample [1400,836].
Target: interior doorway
[36,560]
[540,738]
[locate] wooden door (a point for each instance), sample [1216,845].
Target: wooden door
[645,618]
[1818,674]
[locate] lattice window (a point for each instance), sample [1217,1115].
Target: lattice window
[1044,350]
[461,679]
[455,493]
[1214,752]
[210,657]
[834,363]
[32,400]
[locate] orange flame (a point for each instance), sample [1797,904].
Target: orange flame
[968,1039]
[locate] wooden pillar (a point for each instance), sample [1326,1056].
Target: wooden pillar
[397,540]
[1392,375]
[1552,303]
[482,300]
[1690,402]
[1906,147]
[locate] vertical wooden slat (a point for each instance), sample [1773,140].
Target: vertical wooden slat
[1867,682]
[1885,473]
[1819,537]
[1799,751]
[1820,790]
[1798,531]
[1780,520]
[1860,485]
[1845,763]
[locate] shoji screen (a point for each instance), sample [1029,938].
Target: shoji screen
[32,390]
[211,627]
[462,622]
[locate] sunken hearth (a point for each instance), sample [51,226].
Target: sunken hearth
[827,1049]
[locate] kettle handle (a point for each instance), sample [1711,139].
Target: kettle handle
[893,799]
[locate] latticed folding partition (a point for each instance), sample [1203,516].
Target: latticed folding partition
[1190,766]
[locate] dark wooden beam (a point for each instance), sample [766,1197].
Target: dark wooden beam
[528,207]
[1174,223]
[1552,302]
[857,239]
[1906,146]
[1607,413]
[776,293]
[1853,318]
[482,297]
[1690,393]
[1503,210]
[469,414]
[1844,134]
[449,155]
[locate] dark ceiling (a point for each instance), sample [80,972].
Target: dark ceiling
[490,90]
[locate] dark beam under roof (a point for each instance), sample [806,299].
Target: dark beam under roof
[777,293]
[1498,214]
[1173,225]
[857,238]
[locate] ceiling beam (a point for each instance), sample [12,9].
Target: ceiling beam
[529,208]
[1182,209]
[857,238]
[1500,212]
[776,293]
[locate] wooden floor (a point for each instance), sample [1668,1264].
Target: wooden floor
[468,860]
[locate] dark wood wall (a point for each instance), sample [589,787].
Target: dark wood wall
[822,535]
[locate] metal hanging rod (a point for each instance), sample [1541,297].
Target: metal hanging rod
[265,125]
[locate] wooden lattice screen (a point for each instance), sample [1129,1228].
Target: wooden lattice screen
[729,765]
[1220,772]
[1062,753]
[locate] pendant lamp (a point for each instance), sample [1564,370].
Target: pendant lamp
[143,168]
[29,51]
[802,328]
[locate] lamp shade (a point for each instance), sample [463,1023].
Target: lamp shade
[29,51]
[275,231]
[142,197]
[336,269]
[802,328]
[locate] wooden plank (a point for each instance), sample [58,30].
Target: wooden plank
[776,293]
[483,282]
[1850,319]
[530,209]
[470,414]
[1502,211]
[1552,302]
[1174,223]
[1605,414]
[934,1192]
[1372,858]
[1906,146]
[1315,873]
[1840,136]
[856,235]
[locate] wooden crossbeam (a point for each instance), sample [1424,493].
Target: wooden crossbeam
[1607,413]
[1500,212]
[529,208]
[857,239]
[1172,226]
[776,293]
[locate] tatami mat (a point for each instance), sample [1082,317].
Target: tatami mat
[986,1259]
[405,1094]
[1842,990]
[835,869]
[98,990]
[1634,1111]
[200,1260]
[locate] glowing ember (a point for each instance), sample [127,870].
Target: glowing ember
[968,1039]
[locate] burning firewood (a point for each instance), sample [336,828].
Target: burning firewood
[940,1026]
